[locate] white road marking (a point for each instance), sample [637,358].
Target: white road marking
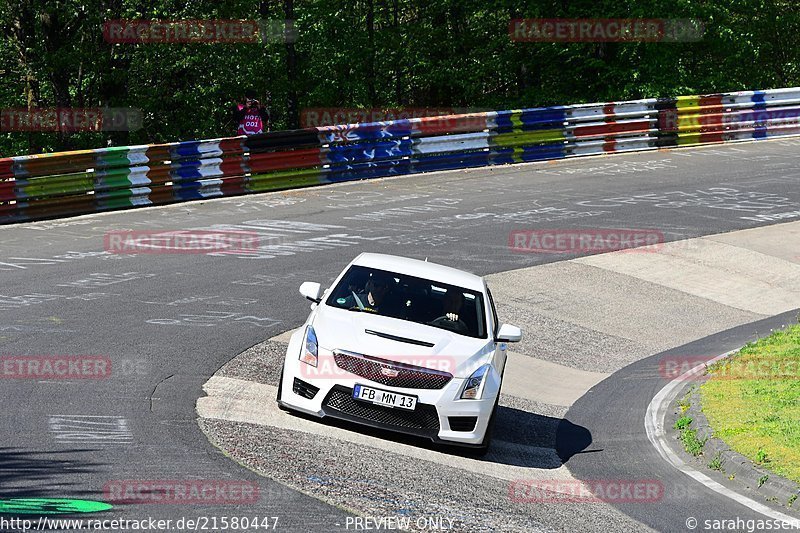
[708,268]
[90,429]
[542,381]
[654,425]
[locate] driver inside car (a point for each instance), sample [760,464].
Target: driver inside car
[451,308]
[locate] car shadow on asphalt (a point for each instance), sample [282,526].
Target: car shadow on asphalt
[520,438]
[526,439]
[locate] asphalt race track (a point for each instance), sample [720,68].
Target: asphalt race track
[168,322]
[624,451]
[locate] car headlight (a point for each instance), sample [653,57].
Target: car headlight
[309,353]
[473,387]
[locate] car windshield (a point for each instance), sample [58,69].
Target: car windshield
[423,301]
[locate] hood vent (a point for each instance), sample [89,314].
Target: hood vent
[399,339]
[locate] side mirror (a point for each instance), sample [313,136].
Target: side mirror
[508,333]
[310,290]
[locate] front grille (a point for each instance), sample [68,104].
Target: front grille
[306,390]
[424,417]
[462,423]
[408,376]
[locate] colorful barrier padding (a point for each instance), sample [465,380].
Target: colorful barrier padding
[87,181]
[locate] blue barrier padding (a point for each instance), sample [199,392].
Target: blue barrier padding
[360,171]
[763,114]
[185,149]
[546,118]
[186,170]
[362,152]
[185,174]
[371,150]
[195,190]
[450,161]
[366,132]
[528,153]
[187,194]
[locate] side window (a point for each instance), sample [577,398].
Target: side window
[494,312]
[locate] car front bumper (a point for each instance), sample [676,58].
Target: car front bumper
[436,412]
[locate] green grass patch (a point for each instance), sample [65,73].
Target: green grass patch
[752,401]
[690,441]
[688,436]
[683,422]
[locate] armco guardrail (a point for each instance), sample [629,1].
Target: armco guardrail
[68,183]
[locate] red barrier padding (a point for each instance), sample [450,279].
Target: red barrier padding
[451,124]
[158,153]
[161,195]
[12,213]
[233,186]
[6,165]
[716,137]
[7,190]
[711,101]
[232,145]
[613,128]
[159,174]
[56,207]
[309,157]
[233,166]
[56,164]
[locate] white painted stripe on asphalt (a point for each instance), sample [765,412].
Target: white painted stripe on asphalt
[542,381]
[720,272]
[244,401]
[654,425]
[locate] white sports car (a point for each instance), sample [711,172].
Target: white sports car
[403,345]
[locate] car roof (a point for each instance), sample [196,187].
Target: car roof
[421,269]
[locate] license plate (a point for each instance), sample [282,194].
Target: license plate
[383,397]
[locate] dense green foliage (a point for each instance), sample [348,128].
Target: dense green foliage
[370,53]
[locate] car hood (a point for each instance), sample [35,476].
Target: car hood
[399,340]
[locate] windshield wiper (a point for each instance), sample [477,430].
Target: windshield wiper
[399,339]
